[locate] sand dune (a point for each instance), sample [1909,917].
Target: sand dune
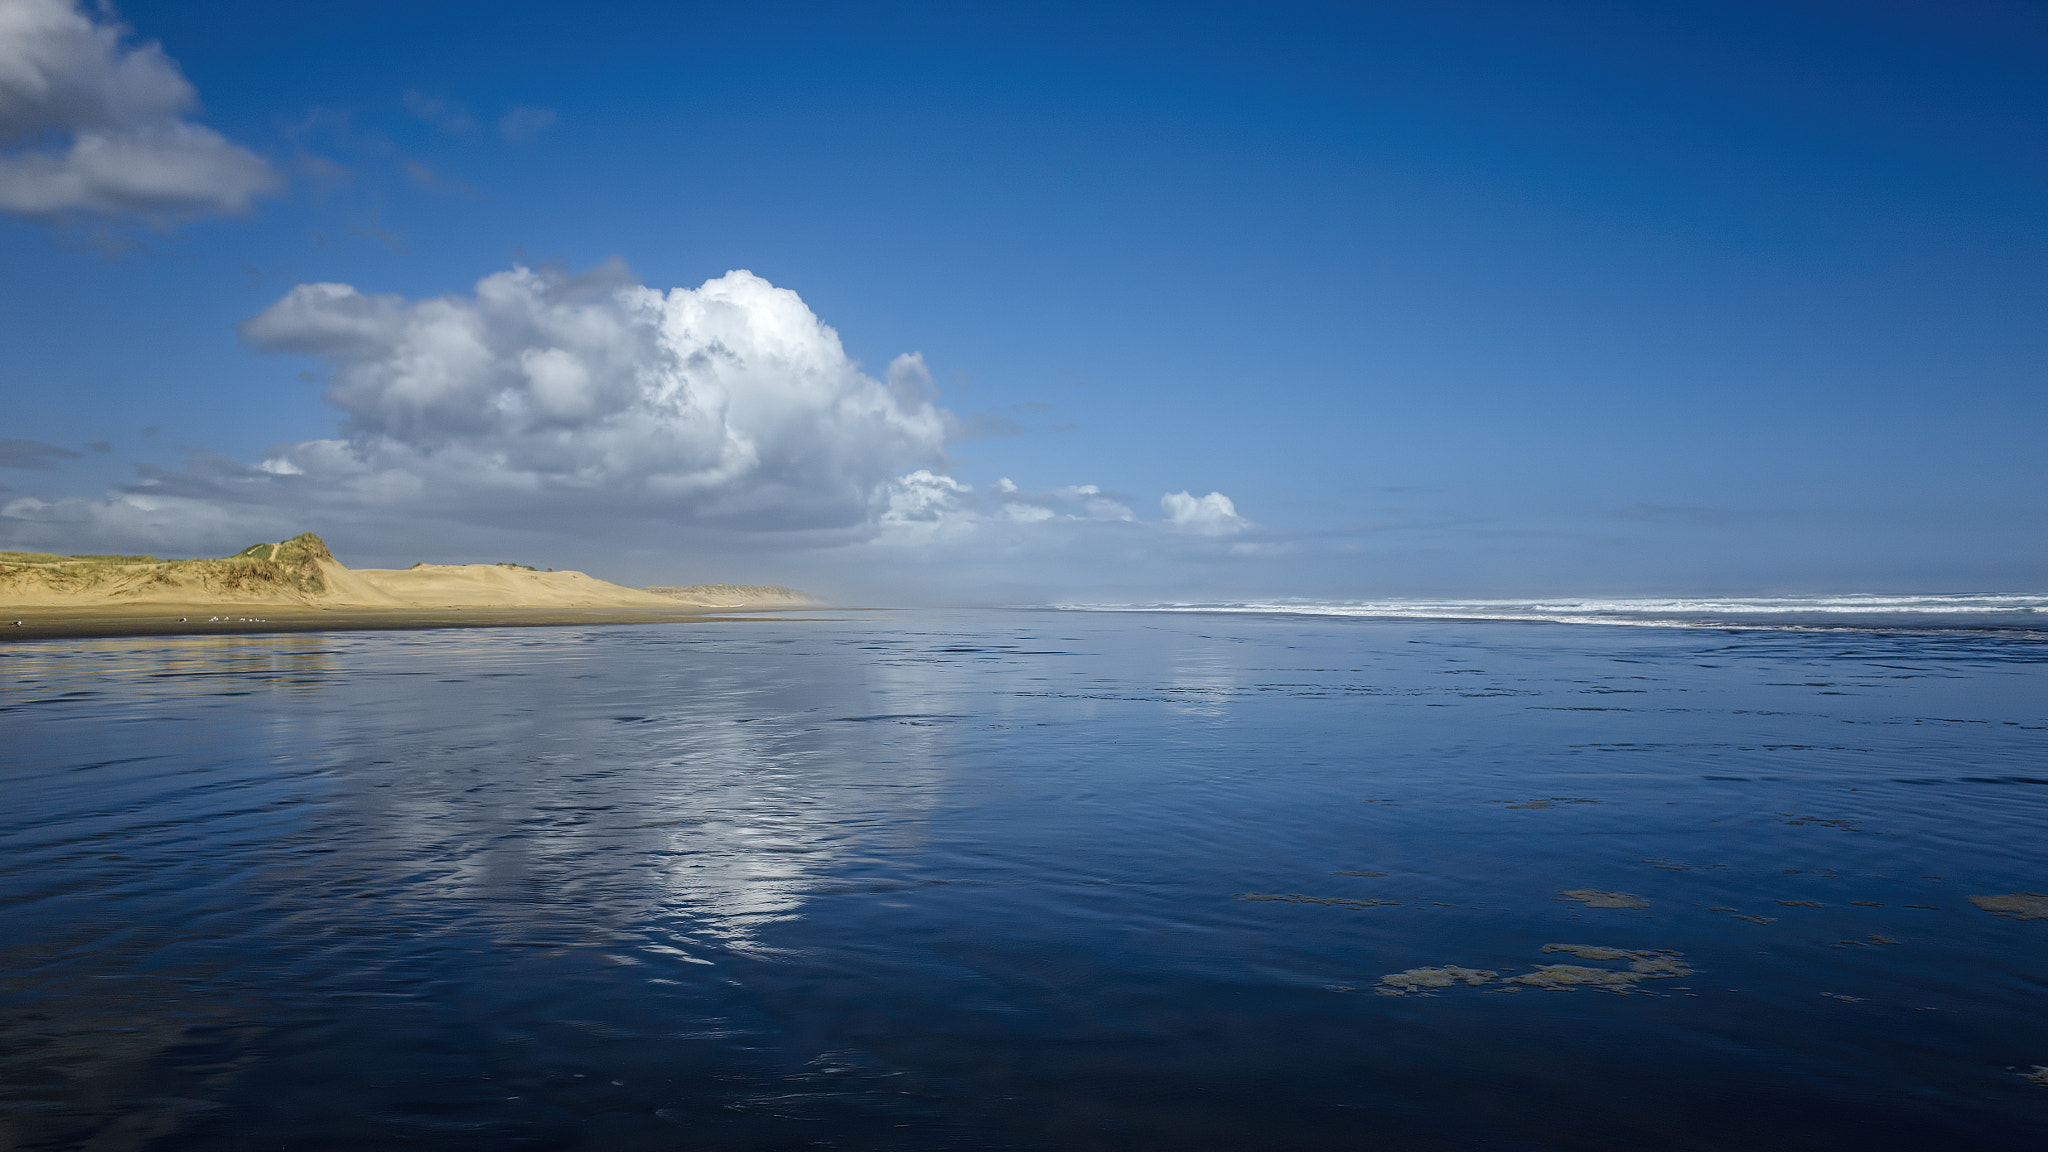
[500,586]
[302,573]
[298,571]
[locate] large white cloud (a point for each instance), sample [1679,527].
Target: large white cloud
[709,433]
[549,394]
[91,126]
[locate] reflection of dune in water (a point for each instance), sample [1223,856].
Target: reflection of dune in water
[536,787]
[164,667]
[113,1038]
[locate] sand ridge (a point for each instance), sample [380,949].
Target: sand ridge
[301,573]
[500,586]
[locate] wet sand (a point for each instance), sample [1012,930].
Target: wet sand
[57,623]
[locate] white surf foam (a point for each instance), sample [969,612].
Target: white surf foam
[1989,609]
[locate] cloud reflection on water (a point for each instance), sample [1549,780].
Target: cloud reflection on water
[692,807]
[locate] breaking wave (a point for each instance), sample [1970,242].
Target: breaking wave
[1971,611]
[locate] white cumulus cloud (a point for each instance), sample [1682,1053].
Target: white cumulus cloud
[90,125]
[1211,515]
[656,436]
[730,402]
[923,504]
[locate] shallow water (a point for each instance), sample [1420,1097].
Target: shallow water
[1024,880]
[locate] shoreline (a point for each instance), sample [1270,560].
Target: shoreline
[63,622]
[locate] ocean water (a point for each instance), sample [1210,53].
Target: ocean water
[1031,880]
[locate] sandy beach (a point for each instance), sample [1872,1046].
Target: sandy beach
[298,586]
[48,623]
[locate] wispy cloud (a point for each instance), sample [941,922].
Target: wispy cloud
[524,124]
[447,115]
[1674,515]
[32,454]
[428,180]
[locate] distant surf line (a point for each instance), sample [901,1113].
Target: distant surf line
[1999,610]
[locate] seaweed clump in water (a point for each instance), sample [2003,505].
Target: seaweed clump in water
[1592,898]
[1565,977]
[1417,979]
[1643,964]
[1652,963]
[2017,905]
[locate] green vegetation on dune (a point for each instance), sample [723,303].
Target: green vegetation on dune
[53,558]
[290,568]
[305,546]
[303,571]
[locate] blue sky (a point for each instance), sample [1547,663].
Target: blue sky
[1443,299]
